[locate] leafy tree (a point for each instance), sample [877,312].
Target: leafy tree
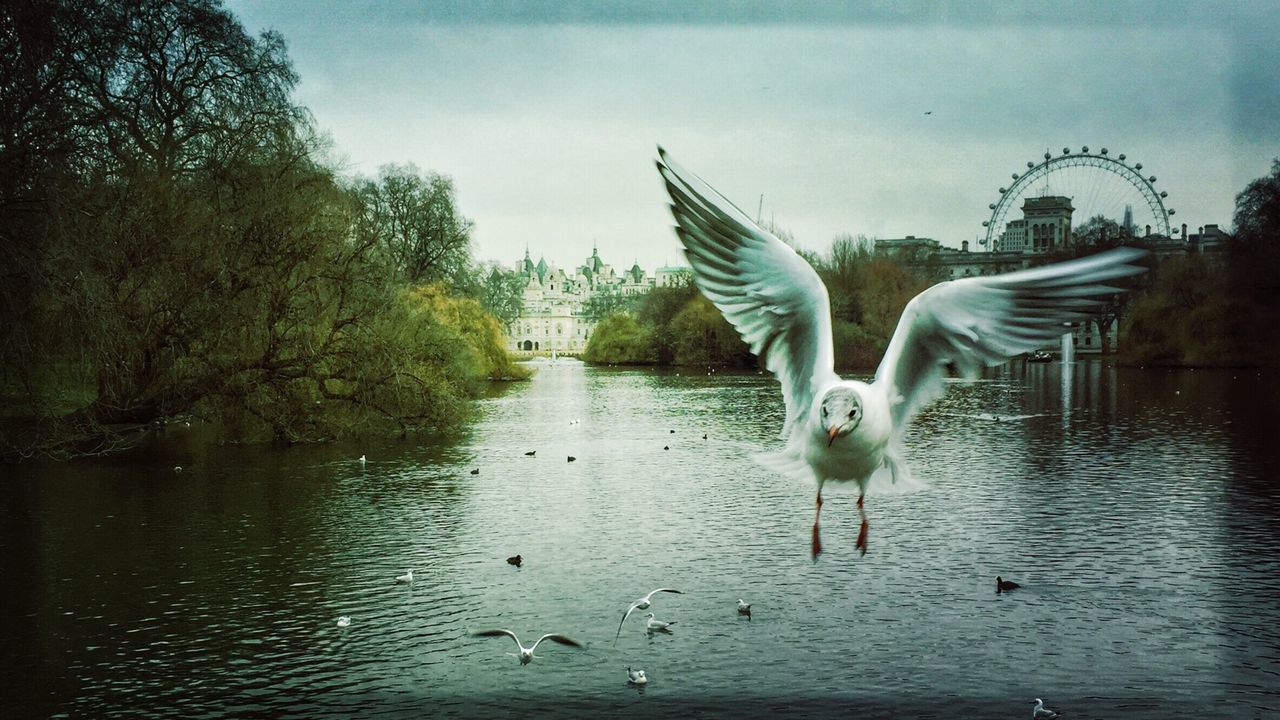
[701,336]
[500,291]
[619,339]
[658,308]
[607,300]
[415,221]
[1253,253]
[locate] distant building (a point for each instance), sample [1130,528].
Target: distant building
[1048,223]
[554,317]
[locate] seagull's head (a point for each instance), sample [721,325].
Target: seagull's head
[841,412]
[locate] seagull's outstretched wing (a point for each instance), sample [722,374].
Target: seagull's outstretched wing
[495,633]
[556,637]
[625,615]
[987,320]
[649,597]
[767,291]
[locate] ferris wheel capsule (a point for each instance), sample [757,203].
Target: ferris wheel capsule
[1172,211]
[986,223]
[1003,191]
[1066,151]
[991,206]
[1015,176]
[1151,179]
[1121,157]
[1104,151]
[1047,156]
[1030,164]
[1163,194]
[1138,166]
[1084,149]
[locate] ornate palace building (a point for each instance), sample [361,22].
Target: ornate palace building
[555,316]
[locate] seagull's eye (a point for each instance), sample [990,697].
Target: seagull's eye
[852,413]
[824,411]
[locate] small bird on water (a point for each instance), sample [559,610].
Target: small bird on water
[636,677]
[515,560]
[744,607]
[572,458]
[1040,712]
[526,653]
[405,578]
[1005,585]
[531,453]
[845,430]
[653,625]
[475,471]
[344,621]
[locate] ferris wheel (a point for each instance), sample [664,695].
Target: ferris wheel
[1097,184]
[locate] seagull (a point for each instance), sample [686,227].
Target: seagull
[744,607]
[344,621]
[361,460]
[531,453]
[475,471]
[405,578]
[653,625]
[1040,712]
[636,677]
[843,431]
[526,653]
[1005,585]
[641,604]
[515,560]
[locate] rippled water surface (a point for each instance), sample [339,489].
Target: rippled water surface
[1138,509]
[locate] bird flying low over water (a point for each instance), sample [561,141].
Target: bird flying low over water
[641,603]
[526,653]
[845,430]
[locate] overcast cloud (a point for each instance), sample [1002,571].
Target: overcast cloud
[547,115]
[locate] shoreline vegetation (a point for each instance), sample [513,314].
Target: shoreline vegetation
[177,241]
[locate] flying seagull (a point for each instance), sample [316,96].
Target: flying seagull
[526,653]
[641,604]
[845,430]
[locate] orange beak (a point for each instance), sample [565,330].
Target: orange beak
[832,433]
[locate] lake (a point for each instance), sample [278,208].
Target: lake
[1137,508]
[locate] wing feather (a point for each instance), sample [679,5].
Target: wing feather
[987,320]
[770,295]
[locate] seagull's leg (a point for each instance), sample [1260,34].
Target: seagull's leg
[817,543]
[862,532]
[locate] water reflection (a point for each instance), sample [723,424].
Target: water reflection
[1135,507]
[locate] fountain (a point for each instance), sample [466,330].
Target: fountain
[1068,349]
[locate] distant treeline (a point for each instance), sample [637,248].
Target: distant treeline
[174,241]
[1218,308]
[678,326]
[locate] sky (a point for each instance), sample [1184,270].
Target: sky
[876,118]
